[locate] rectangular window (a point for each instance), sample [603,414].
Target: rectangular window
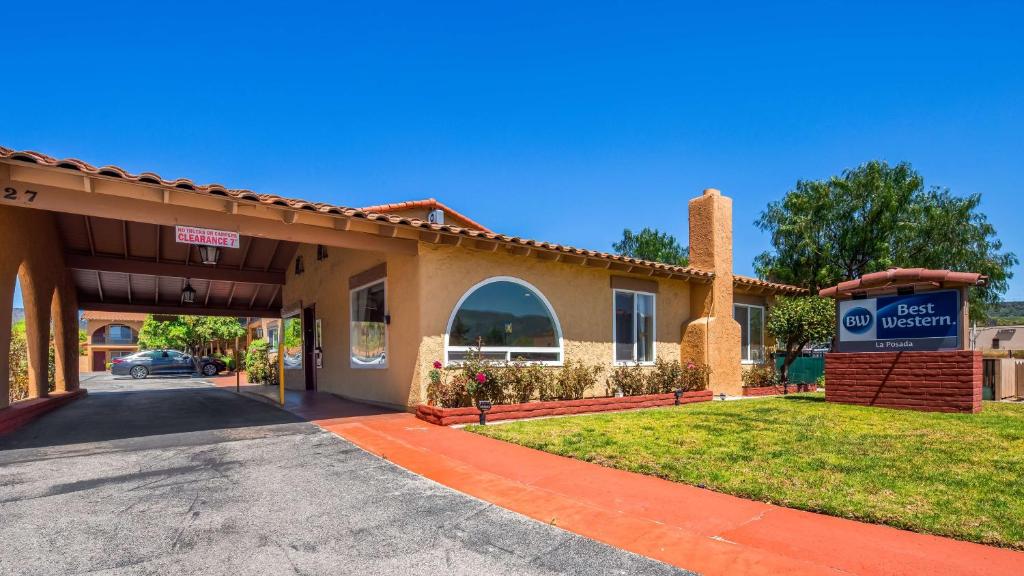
[119,334]
[368,346]
[751,321]
[633,326]
[272,337]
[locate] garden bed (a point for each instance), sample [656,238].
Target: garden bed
[778,389]
[471,415]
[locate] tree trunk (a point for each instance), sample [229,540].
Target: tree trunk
[792,350]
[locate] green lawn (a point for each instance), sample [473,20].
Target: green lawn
[955,475]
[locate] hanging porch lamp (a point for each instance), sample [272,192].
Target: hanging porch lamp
[188,293]
[208,254]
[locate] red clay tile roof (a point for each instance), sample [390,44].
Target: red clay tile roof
[748,282]
[121,316]
[324,208]
[430,203]
[904,277]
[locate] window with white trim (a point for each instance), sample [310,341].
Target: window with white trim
[633,319]
[508,319]
[751,321]
[369,342]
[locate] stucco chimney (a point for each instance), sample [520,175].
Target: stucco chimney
[712,336]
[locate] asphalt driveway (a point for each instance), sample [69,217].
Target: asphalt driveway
[174,476]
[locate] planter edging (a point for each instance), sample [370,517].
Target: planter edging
[469,414]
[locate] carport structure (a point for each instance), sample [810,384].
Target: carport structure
[100,238]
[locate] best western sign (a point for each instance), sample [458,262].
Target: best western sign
[924,321]
[206,236]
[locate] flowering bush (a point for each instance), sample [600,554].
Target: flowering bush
[522,380]
[695,377]
[519,381]
[760,376]
[258,367]
[629,380]
[572,381]
[666,377]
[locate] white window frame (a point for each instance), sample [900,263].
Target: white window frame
[510,351]
[387,328]
[749,346]
[654,328]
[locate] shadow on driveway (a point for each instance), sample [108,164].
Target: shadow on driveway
[115,410]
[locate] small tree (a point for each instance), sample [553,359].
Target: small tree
[654,245]
[188,333]
[797,321]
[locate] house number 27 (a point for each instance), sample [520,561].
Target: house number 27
[12,194]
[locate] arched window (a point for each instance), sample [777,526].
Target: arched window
[509,319]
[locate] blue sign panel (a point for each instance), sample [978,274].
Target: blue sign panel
[924,321]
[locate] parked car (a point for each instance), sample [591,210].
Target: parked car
[160,362]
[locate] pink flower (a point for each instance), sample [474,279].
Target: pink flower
[481,377]
[437,365]
[690,366]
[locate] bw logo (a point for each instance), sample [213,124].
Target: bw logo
[857,320]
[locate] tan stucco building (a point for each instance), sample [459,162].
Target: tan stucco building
[584,298]
[371,298]
[110,335]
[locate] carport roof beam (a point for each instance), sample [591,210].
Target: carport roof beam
[170,269]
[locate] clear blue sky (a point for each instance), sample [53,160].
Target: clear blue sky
[563,123]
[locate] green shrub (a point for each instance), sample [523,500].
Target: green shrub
[666,377]
[574,379]
[761,376]
[695,376]
[481,378]
[447,388]
[630,380]
[228,360]
[522,380]
[258,367]
[464,384]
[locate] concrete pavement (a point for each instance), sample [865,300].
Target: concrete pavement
[178,477]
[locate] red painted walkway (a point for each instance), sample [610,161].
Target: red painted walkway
[696,529]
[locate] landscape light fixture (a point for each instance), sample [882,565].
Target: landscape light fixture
[209,254]
[188,293]
[483,406]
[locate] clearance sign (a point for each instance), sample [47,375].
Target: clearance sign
[206,236]
[925,321]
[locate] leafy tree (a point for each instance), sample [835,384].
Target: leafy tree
[796,321]
[651,244]
[83,342]
[875,217]
[187,333]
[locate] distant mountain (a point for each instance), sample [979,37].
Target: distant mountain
[1010,313]
[1010,308]
[17,315]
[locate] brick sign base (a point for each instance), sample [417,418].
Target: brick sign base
[929,381]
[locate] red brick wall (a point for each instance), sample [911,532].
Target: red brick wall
[929,381]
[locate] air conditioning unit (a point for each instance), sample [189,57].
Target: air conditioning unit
[436,217]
